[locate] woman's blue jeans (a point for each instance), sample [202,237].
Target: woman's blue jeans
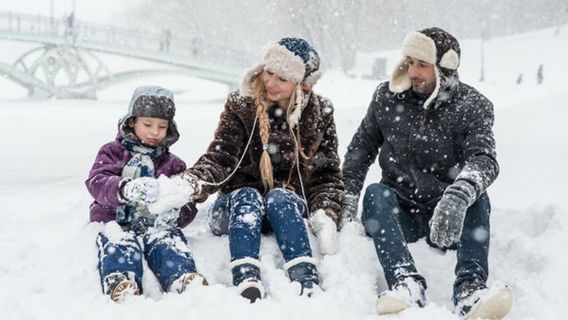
[245,214]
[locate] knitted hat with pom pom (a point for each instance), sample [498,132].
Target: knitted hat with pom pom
[293,59]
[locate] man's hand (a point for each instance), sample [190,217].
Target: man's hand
[447,221]
[349,208]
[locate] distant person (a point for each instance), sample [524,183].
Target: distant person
[520,78]
[70,26]
[195,46]
[274,162]
[165,39]
[539,74]
[123,183]
[162,40]
[433,135]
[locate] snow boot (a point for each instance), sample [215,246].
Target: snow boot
[119,285]
[405,293]
[303,271]
[246,277]
[474,300]
[187,280]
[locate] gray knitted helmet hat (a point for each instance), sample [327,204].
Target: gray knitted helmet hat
[153,102]
[431,45]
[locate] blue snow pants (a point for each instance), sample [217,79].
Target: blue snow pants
[166,252]
[245,214]
[392,228]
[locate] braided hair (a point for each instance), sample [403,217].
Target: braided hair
[262,104]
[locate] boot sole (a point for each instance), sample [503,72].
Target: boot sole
[124,289]
[389,305]
[252,294]
[495,307]
[190,279]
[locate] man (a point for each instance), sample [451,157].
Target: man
[433,135]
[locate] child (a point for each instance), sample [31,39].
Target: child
[123,183]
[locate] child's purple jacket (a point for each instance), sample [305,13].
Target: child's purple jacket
[106,174]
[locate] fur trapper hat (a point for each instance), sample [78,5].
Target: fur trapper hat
[431,45]
[293,59]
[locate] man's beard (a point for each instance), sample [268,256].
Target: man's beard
[421,86]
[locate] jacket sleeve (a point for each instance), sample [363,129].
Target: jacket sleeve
[480,166]
[105,177]
[224,151]
[326,184]
[363,149]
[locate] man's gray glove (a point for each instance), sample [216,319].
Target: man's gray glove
[349,208]
[447,221]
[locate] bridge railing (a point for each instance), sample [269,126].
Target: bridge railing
[28,23]
[74,31]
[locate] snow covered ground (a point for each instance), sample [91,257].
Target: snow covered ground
[48,255]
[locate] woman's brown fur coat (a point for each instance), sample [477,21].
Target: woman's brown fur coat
[321,173]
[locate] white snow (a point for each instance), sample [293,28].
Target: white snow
[48,256]
[173,194]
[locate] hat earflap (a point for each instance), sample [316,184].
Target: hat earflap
[312,78]
[400,81]
[450,60]
[247,89]
[294,116]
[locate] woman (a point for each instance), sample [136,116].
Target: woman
[274,161]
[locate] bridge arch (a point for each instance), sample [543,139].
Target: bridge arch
[65,64]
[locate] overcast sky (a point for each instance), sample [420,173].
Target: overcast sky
[102,11]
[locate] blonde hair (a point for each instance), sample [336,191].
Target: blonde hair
[262,104]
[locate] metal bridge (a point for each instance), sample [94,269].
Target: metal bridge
[66,65]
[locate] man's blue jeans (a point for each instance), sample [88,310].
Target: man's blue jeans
[245,214]
[392,228]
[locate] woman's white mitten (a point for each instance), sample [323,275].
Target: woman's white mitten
[325,230]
